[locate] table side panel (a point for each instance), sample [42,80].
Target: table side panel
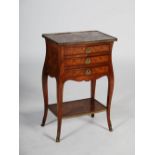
[52,58]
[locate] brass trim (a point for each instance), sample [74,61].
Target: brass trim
[87,61]
[88,50]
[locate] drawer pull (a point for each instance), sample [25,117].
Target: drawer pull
[88,72]
[88,50]
[88,61]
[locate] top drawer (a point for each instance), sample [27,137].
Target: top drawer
[87,50]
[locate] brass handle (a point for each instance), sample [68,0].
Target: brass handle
[88,61]
[88,50]
[88,72]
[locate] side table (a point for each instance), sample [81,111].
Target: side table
[77,56]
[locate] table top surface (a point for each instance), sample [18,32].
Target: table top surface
[79,37]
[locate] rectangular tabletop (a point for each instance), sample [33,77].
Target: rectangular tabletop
[79,37]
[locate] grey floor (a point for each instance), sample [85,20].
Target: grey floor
[81,135]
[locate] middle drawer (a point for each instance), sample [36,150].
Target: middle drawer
[86,61]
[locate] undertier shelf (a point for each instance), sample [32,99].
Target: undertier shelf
[78,108]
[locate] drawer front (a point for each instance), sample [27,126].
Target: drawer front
[86,72]
[72,62]
[89,50]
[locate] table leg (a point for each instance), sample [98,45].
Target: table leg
[109,97]
[93,85]
[59,108]
[45,95]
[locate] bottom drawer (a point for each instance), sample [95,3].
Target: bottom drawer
[86,72]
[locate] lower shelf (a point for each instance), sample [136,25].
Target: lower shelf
[78,107]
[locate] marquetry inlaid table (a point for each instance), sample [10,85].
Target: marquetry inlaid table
[77,56]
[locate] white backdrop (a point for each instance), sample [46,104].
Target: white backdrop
[49,16]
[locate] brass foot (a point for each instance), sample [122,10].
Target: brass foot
[42,124]
[57,139]
[110,129]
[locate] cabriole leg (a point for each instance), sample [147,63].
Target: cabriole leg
[109,97]
[45,96]
[59,108]
[93,85]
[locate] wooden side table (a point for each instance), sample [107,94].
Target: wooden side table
[77,56]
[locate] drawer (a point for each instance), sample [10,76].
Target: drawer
[86,72]
[72,62]
[89,50]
